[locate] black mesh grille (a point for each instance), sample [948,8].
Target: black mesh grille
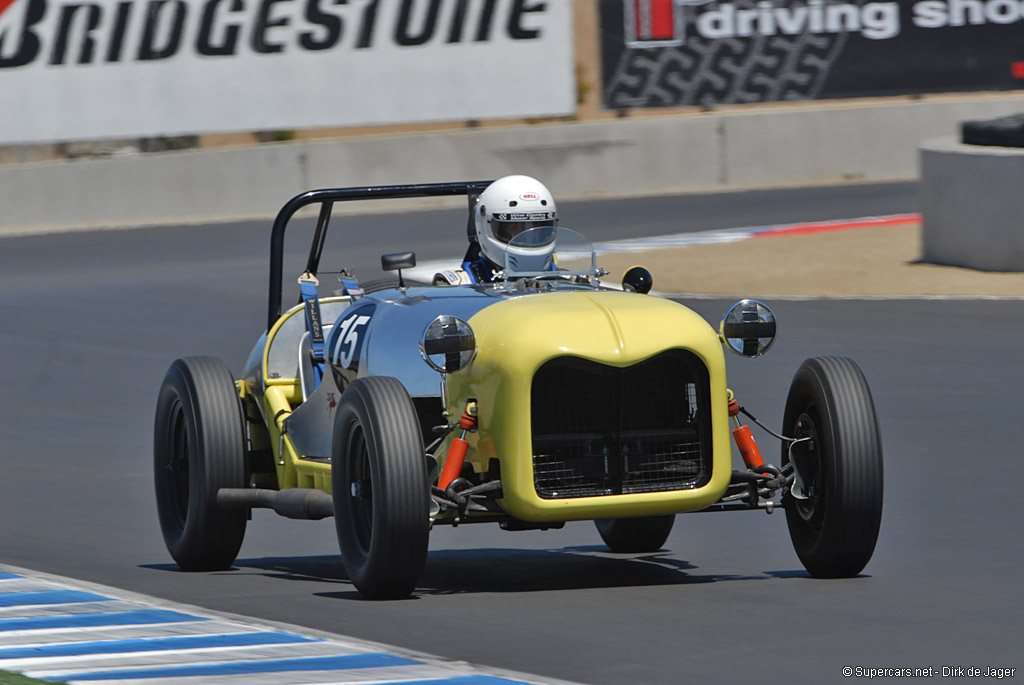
[601,430]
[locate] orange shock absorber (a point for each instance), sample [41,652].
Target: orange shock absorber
[453,463]
[457,450]
[748,448]
[745,440]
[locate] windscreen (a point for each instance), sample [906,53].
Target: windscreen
[549,251]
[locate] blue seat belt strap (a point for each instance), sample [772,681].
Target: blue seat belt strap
[307,289]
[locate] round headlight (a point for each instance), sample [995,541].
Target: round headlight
[748,328]
[448,344]
[637,279]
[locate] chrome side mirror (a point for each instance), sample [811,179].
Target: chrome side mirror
[748,328]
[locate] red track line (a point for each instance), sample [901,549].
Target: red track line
[827,226]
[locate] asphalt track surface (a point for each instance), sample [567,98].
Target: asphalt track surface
[91,322]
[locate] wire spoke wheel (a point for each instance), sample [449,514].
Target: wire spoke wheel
[834,508]
[379,485]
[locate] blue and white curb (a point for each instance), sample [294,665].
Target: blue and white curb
[58,629]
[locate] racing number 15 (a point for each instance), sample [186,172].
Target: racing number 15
[347,342]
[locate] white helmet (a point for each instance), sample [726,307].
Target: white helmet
[508,207]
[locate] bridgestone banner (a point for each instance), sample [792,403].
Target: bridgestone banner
[90,69]
[659,53]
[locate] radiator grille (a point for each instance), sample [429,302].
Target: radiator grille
[600,430]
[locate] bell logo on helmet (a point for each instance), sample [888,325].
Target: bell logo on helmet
[529,196]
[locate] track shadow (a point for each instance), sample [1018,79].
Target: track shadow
[500,570]
[318,568]
[788,574]
[297,569]
[801,573]
[570,568]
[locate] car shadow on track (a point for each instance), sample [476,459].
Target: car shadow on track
[500,570]
[320,569]
[568,568]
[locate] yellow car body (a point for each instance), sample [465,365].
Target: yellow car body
[517,337]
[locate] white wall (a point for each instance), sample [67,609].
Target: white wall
[819,143]
[972,204]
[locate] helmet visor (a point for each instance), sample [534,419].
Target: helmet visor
[507,226]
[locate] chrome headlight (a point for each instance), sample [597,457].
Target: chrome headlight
[748,328]
[448,344]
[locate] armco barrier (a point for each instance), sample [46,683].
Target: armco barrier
[720,150]
[971,205]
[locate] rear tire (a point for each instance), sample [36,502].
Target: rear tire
[626,536]
[835,528]
[379,484]
[199,447]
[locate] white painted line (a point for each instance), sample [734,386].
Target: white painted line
[113,605]
[74,635]
[171,657]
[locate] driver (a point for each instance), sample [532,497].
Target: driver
[505,209]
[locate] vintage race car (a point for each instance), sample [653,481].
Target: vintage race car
[537,399]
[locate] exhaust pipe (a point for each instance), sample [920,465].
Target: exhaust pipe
[294,503]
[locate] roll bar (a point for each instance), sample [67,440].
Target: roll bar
[326,198]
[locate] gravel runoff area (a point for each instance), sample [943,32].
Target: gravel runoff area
[854,262]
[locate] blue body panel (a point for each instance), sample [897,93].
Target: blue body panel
[388,343]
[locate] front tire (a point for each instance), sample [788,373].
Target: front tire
[198,448]
[835,527]
[379,484]
[627,536]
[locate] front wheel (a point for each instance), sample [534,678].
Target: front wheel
[379,484]
[834,508]
[199,447]
[644,534]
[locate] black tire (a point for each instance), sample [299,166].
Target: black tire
[382,524]
[199,447]
[390,284]
[645,534]
[835,529]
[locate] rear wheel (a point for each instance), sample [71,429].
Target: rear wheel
[646,534]
[379,481]
[834,511]
[199,447]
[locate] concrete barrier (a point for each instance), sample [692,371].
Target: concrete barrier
[718,150]
[971,205]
